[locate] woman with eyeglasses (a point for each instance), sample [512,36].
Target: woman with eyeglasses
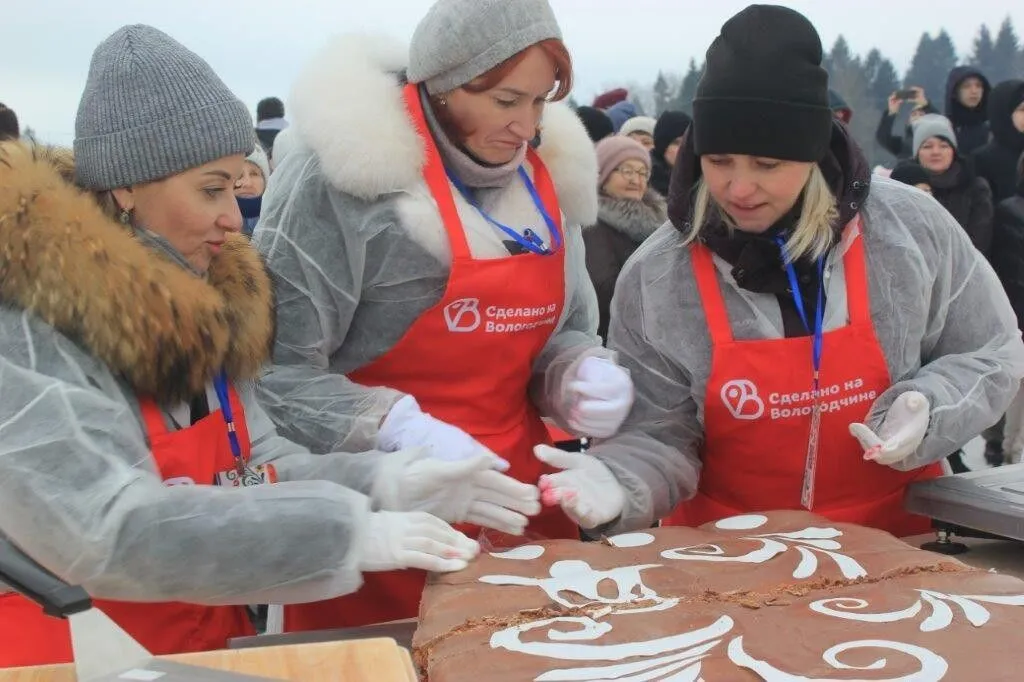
[629,212]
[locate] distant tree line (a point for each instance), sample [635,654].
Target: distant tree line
[866,82]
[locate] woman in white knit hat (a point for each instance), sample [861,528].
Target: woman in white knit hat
[134,458]
[425,241]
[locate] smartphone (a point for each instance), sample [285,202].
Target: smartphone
[906,94]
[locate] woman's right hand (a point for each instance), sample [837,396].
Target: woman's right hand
[894,104]
[396,540]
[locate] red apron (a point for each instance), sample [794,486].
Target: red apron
[194,455]
[757,418]
[467,361]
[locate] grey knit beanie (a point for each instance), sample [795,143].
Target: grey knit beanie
[460,40]
[151,109]
[932,125]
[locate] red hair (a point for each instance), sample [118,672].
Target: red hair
[555,50]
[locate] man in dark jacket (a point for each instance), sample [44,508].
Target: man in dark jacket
[967,92]
[840,109]
[902,147]
[997,161]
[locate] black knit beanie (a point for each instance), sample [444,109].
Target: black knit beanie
[764,91]
[911,173]
[597,123]
[671,126]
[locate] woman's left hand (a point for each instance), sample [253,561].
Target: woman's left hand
[602,398]
[902,431]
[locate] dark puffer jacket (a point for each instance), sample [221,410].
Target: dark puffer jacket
[1008,248]
[756,259]
[622,225]
[969,199]
[971,125]
[997,161]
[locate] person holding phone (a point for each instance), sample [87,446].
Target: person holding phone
[902,147]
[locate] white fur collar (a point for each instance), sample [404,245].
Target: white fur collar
[346,105]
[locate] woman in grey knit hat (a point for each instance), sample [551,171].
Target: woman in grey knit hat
[426,246]
[134,458]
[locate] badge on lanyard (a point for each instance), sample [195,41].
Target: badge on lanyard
[242,475]
[811,462]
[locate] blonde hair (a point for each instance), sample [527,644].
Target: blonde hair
[813,235]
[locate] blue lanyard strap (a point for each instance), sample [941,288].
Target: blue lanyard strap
[529,239]
[220,385]
[819,313]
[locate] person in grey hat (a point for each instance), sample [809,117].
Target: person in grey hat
[803,335]
[426,246]
[954,183]
[135,460]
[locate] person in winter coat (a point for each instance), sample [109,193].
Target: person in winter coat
[135,460]
[902,147]
[668,138]
[967,94]
[597,123]
[1008,262]
[270,121]
[997,161]
[628,213]
[953,181]
[641,129]
[898,334]
[431,280]
[250,187]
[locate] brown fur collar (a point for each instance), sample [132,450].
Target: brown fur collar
[164,330]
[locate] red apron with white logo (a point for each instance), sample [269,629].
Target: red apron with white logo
[757,418]
[468,361]
[194,455]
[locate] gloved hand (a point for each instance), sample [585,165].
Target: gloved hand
[406,426]
[588,492]
[902,430]
[397,540]
[602,397]
[470,491]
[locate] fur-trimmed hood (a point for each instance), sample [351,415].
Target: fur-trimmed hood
[166,332]
[638,220]
[347,107]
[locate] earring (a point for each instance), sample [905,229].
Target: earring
[442,101]
[125,217]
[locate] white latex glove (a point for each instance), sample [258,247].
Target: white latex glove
[588,492]
[397,540]
[470,491]
[406,426]
[902,430]
[602,395]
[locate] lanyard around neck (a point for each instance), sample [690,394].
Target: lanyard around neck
[529,239]
[818,330]
[220,385]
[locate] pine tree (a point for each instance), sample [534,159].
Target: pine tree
[945,61]
[984,53]
[688,90]
[1004,54]
[882,76]
[931,65]
[573,104]
[839,58]
[661,94]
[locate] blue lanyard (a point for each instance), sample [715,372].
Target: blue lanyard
[220,385]
[819,314]
[529,240]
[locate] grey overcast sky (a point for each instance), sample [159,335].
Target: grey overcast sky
[257,46]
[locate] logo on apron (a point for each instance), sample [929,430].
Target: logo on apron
[741,399]
[463,315]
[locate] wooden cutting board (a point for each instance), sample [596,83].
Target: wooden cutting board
[377,660]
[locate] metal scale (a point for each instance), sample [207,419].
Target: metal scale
[978,504]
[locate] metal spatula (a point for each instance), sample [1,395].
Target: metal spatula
[103,651]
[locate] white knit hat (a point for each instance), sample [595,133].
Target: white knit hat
[638,124]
